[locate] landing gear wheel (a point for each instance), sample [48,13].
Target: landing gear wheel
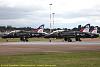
[65,39]
[69,40]
[77,39]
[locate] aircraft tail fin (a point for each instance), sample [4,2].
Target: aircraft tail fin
[85,28]
[94,31]
[40,29]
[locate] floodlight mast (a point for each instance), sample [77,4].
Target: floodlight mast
[53,19]
[50,18]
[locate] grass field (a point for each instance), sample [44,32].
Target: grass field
[68,59]
[30,39]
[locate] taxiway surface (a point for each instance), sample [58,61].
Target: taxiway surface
[12,48]
[51,43]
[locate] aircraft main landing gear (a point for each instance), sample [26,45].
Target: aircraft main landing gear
[68,39]
[24,39]
[77,39]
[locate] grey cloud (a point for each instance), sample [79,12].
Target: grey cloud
[81,13]
[15,13]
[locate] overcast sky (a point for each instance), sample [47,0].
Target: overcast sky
[32,13]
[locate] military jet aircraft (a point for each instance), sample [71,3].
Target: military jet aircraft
[24,35]
[67,35]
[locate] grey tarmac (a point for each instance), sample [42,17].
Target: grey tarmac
[50,43]
[13,48]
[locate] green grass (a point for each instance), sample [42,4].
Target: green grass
[68,59]
[30,39]
[9,40]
